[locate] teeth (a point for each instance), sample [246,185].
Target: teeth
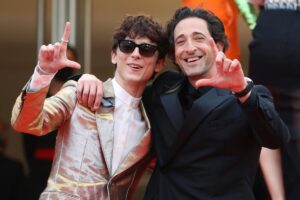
[135,66]
[192,59]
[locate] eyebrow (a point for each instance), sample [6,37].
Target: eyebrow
[198,33]
[193,34]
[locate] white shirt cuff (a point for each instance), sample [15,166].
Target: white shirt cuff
[39,81]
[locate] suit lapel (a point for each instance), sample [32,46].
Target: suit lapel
[170,99]
[141,148]
[105,123]
[200,109]
[173,108]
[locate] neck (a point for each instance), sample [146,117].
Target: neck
[193,80]
[134,89]
[208,75]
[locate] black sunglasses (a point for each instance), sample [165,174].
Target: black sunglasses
[146,50]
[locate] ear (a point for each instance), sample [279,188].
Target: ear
[159,65]
[113,57]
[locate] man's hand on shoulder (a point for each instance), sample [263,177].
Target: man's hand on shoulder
[90,91]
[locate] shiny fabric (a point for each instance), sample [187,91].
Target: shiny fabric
[83,150]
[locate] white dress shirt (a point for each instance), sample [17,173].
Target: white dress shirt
[128,127]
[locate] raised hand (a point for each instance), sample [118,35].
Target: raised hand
[228,73]
[54,57]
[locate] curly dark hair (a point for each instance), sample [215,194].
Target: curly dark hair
[214,24]
[142,26]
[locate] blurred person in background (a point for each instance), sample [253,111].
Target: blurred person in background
[275,49]
[12,179]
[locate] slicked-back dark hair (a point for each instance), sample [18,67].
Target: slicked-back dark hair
[214,25]
[141,26]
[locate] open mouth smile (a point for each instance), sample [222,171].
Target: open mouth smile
[191,60]
[135,67]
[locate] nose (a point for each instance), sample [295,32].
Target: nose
[136,53]
[190,47]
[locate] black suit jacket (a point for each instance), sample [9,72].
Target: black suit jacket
[212,153]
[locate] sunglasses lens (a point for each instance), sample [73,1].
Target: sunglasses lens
[126,46]
[147,50]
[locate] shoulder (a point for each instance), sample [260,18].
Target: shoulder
[67,93]
[68,88]
[262,91]
[261,88]
[70,83]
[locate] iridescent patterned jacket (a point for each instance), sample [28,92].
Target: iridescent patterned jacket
[83,150]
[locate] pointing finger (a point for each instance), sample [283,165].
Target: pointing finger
[66,35]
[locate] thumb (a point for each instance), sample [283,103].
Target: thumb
[73,64]
[205,82]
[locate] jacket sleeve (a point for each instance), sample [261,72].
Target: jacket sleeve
[35,114]
[268,128]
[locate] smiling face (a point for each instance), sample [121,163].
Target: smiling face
[133,69]
[193,52]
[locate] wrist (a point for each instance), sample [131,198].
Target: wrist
[43,72]
[246,90]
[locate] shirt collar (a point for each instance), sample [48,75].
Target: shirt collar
[124,96]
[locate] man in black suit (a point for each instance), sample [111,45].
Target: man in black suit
[208,122]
